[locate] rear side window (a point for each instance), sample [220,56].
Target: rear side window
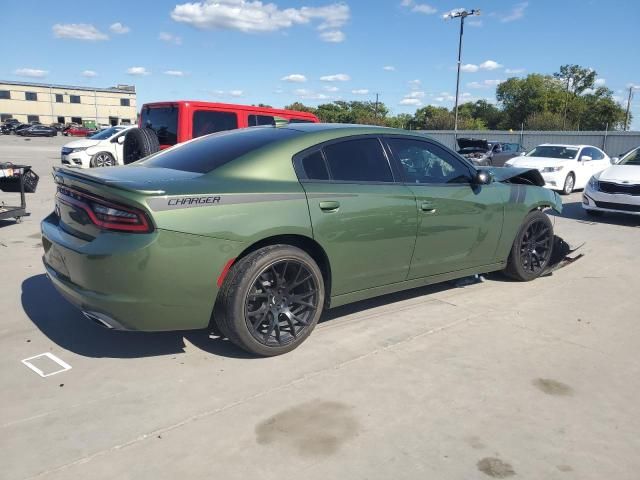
[205,154]
[206,122]
[259,120]
[300,120]
[314,166]
[163,121]
[361,160]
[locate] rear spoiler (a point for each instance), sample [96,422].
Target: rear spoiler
[59,174]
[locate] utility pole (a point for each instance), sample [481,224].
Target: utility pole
[460,13]
[376,110]
[626,118]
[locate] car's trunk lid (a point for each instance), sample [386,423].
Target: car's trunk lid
[475,143]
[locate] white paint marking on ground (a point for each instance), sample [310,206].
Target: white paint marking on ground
[65,366]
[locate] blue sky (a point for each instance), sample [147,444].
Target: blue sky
[315,51]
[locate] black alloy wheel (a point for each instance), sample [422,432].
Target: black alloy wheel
[535,247]
[282,303]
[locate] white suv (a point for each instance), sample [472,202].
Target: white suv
[104,149]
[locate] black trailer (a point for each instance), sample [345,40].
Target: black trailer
[16,179]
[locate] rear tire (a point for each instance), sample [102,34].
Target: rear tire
[532,248]
[271,300]
[569,184]
[102,159]
[139,143]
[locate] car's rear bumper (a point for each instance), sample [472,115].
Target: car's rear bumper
[610,202]
[149,282]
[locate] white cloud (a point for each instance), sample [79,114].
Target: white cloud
[445,97]
[411,101]
[89,74]
[330,88]
[31,72]
[589,91]
[514,70]
[490,65]
[174,73]
[600,82]
[474,23]
[415,94]
[360,91]
[138,71]
[332,36]
[254,16]
[418,7]
[236,93]
[78,31]
[389,68]
[295,78]
[338,77]
[414,84]
[516,13]
[170,38]
[309,94]
[119,29]
[486,65]
[484,84]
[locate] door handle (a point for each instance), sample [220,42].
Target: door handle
[329,206]
[427,207]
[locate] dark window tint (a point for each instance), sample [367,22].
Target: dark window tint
[125,102]
[205,122]
[74,98]
[208,153]
[300,120]
[59,98]
[5,116]
[76,120]
[31,96]
[314,167]
[597,154]
[163,121]
[360,160]
[33,118]
[424,162]
[60,119]
[258,120]
[5,94]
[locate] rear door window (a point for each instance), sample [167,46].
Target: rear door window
[360,160]
[314,166]
[205,154]
[260,120]
[207,121]
[163,121]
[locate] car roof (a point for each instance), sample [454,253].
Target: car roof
[565,145]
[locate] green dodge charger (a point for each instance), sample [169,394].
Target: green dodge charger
[254,232]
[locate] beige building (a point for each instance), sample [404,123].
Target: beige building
[48,104]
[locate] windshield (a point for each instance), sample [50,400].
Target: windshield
[104,134]
[631,158]
[554,151]
[163,121]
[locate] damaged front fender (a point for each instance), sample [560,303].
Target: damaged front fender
[520,178]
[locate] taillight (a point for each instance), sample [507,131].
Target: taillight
[106,214]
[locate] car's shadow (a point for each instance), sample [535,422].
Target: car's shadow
[65,325]
[574,211]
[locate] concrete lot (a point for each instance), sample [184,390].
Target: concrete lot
[536,380]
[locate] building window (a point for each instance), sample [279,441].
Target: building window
[59,98]
[31,96]
[33,118]
[74,98]
[125,121]
[113,121]
[60,119]
[77,120]
[5,116]
[5,94]
[125,102]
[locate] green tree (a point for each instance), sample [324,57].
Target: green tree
[300,107]
[575,80]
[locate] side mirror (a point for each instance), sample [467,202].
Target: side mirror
[585,158]
[522,154]
[120,139]
[615,160]
[482,177]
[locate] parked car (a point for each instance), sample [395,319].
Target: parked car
[564,167]
[484,152]
[102,149]
[20,126]
[615,189]
[261,229]
[78,131]
[58,126]
[37,131]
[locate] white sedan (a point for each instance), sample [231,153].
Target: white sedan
[104,149]
[564,167]
[616,189]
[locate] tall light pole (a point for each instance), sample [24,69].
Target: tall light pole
[626,118]
[460,13]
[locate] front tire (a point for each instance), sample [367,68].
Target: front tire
[532,248]
[271,300]
[102,159]
[569,183]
